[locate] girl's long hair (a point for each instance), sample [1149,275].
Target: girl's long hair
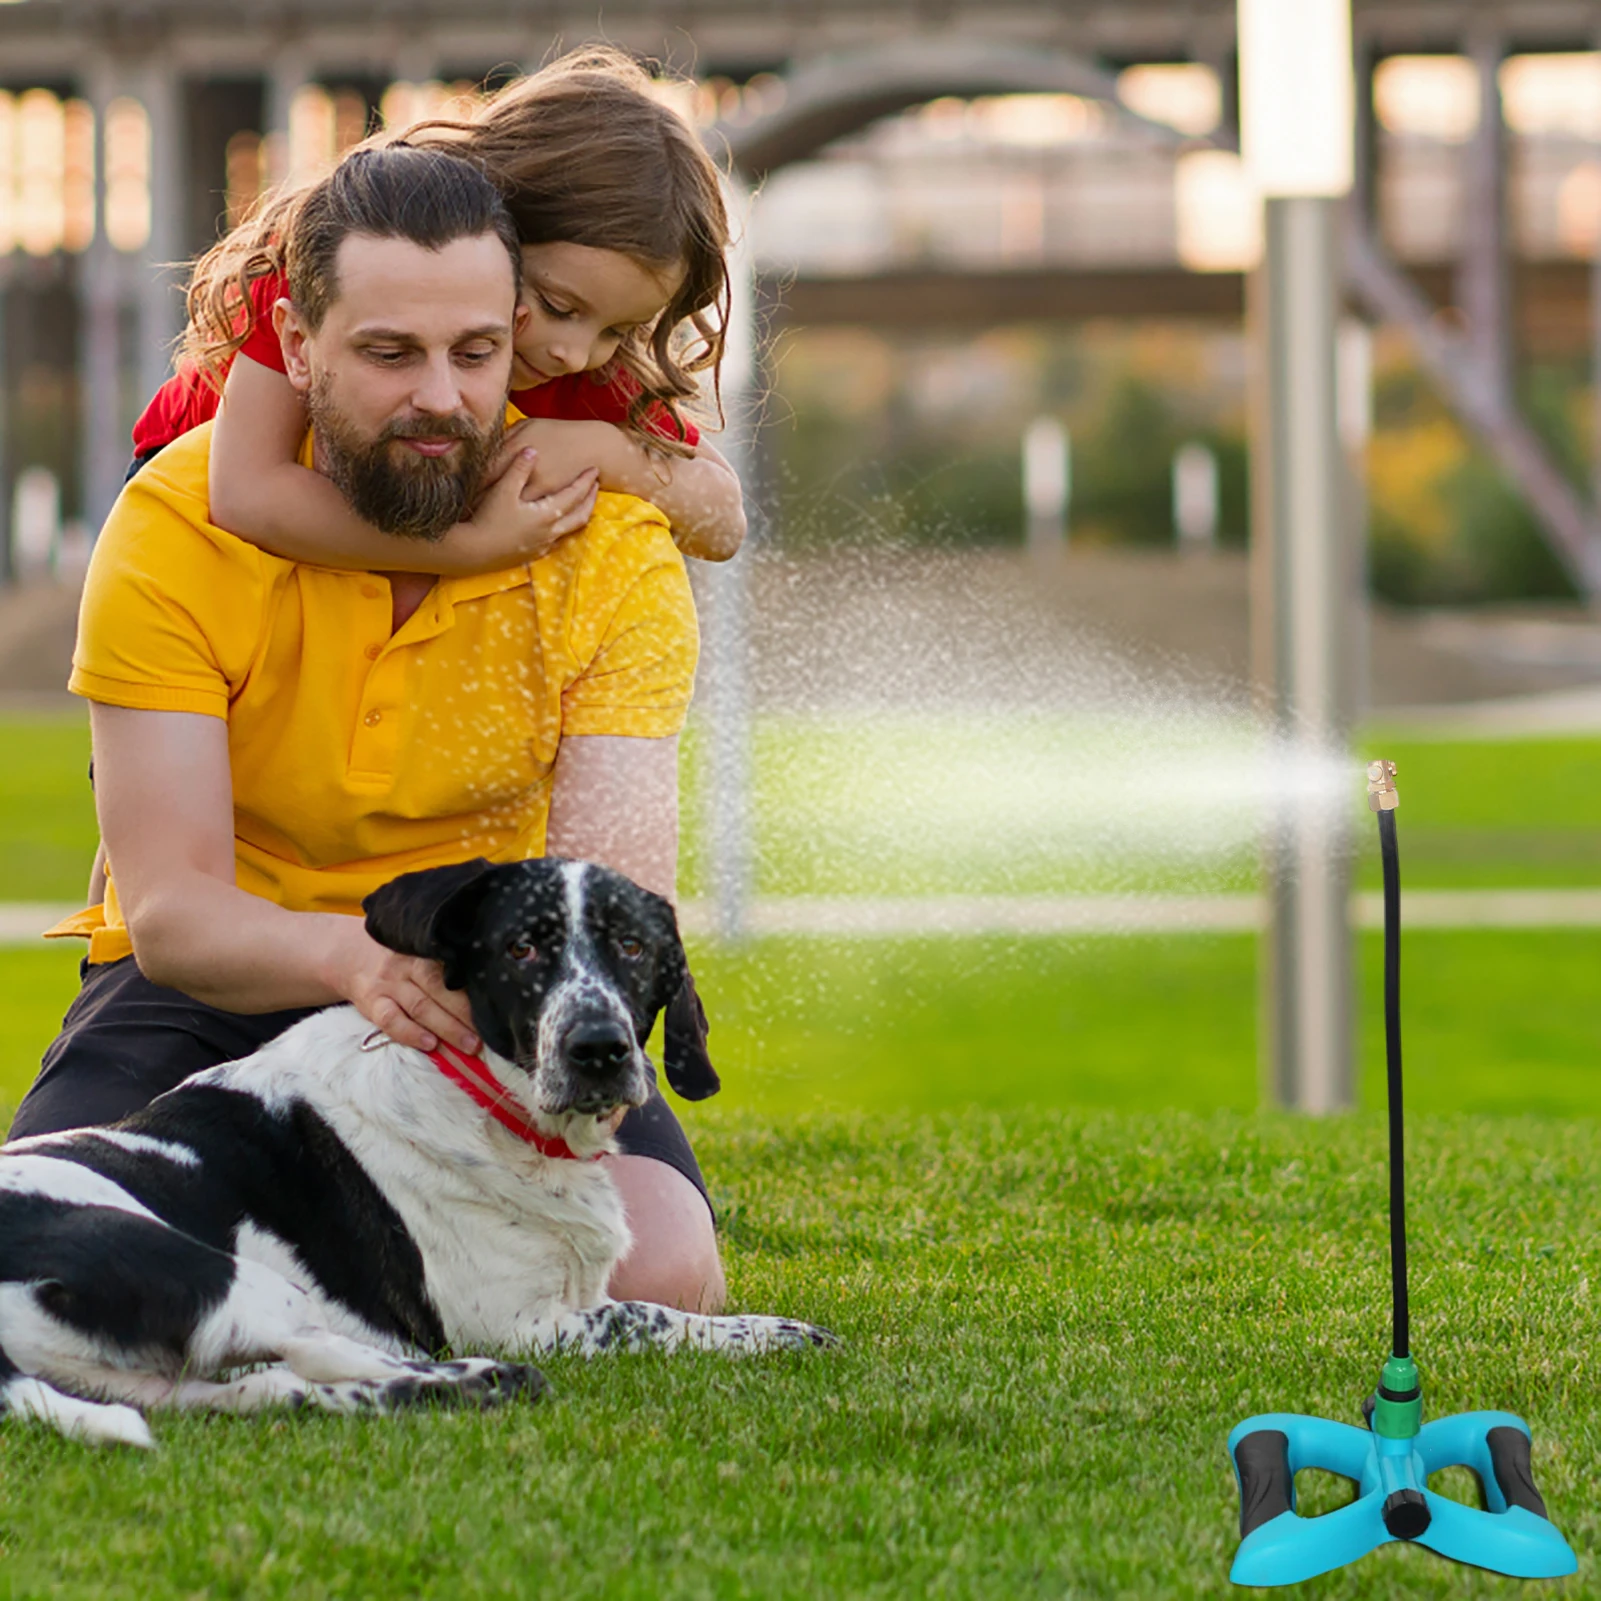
[584,153]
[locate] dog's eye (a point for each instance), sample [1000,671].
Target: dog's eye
[521,949]
[633,949]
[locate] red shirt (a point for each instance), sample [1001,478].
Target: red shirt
[186,400]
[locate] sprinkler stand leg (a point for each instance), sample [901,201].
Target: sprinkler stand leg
[1278,1545]
[1514,1535]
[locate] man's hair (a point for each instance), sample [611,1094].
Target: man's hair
[394,191]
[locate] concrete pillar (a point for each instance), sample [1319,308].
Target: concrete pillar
[7,572]
[160,271]
[1595,376]
[1484,276]
[1195,497]
[1595,360]
[288,73]
[1047,484]
[1364,132]
[415,60]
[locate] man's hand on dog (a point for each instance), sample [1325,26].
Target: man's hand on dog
[405,996]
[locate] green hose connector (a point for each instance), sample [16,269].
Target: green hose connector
[1398,1406]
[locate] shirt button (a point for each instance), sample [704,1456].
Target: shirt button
[371,591]
[374,652]
[373,719]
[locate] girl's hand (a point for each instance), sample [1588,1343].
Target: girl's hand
[699,495]
[515,522]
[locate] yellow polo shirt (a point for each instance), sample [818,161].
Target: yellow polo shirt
[358,755]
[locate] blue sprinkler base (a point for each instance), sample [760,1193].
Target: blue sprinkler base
[1393,1499]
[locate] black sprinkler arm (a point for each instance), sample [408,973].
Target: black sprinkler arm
[1383,799]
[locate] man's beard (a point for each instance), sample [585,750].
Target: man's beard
[397,489]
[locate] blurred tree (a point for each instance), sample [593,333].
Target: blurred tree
[1445,527]
[1122,489]
[920,442]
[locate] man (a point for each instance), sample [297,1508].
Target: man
[274,741]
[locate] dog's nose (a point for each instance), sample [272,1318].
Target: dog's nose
[599,1047]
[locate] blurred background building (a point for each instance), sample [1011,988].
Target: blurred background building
[967,219]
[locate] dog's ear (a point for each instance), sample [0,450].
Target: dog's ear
[684,1029]
[423,914]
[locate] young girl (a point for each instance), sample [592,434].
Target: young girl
[624,287]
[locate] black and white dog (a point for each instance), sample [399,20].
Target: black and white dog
[329,1214]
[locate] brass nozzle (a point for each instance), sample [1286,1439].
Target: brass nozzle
[1382,796]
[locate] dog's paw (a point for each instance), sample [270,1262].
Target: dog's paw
[89,1422]
[785,1334]
[757,1334]
[115,1425]
[643,1325]
[489,1383]
[468,1381]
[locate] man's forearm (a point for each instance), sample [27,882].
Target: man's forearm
[234,950]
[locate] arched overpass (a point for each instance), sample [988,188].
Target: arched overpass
[827,97]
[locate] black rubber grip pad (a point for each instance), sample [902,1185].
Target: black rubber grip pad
[1267,1487]
[1509,1456]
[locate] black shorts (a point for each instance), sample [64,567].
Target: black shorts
[125,1041]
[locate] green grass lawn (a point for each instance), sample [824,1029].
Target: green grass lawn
[1518,814]
[1050,1322]
[1024,1180]
[47,815]
[1496,1022]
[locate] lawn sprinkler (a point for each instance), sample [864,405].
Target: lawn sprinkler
[1392,1458]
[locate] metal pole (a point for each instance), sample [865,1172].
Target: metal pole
[724,594]
[104,445]
[1304,548]
[1297,116]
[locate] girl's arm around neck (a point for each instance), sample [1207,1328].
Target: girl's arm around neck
[699,494]
[261,493]
[705,504]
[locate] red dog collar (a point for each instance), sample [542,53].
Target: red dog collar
[474,1075]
